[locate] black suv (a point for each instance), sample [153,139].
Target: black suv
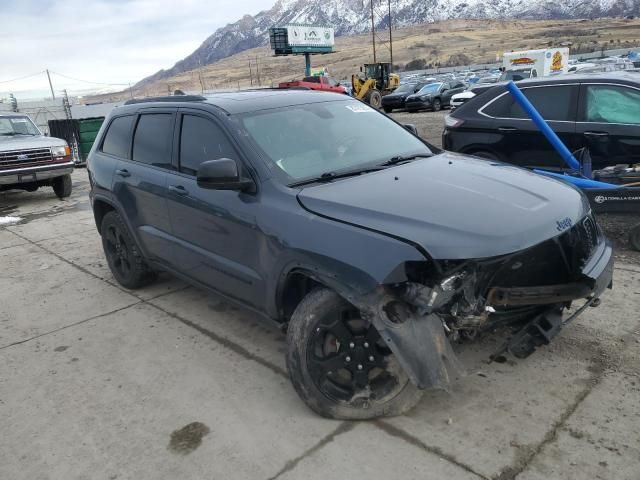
[396,99]
[372,248]
[433,96]
[597,111]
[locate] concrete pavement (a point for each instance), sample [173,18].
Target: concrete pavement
[95,379]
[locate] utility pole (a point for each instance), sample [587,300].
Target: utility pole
[390,38]
[130,90]
[200,76]
[373,32]
[53,95]
[258,71]
[250,73]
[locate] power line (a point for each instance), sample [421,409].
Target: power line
[22,78]
[89,81]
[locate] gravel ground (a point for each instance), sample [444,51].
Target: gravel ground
[168,382]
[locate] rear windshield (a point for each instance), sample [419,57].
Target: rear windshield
[18,125]
[304,141]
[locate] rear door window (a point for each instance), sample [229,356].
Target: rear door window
[201,140]
[117,140]
[612,104]
[153,139]
[552,102]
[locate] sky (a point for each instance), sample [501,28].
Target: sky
[103,41]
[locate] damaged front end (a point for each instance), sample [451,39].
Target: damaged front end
[444,301]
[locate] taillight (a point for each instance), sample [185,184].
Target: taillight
[452,122]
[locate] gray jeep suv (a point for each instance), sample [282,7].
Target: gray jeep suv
[372,248]
[29,159]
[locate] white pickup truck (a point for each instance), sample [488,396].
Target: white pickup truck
[29,159]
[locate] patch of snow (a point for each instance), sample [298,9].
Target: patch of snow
[9,220]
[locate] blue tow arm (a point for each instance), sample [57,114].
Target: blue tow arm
[579,181]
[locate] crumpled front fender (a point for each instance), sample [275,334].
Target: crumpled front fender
[418,341]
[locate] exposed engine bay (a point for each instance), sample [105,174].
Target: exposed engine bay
[452,301]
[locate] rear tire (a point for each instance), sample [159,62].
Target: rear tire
[388,110]
[436,105]
[327,346]
[374,98]
[124,259]
[62,186]
[634,237]
[486,155]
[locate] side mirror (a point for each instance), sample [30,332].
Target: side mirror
[222,174]
[411,127]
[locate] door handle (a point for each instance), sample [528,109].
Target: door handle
[507,129]
[596,134]
[178,190]
[123,173]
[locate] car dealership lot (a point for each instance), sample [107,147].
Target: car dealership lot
[100,382]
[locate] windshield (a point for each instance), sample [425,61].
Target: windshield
[406,88]
[431,88]
[18,125]
[305,141]
[515,75]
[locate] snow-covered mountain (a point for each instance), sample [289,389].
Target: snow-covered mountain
[354,16]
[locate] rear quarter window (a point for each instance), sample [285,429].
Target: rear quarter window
[117,140]
[552,102]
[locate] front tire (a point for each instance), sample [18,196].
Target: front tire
[124,259]
[339,365]
[62,186]
[437,105]
[374,98]
[388,110]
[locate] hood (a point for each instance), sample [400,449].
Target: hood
[25,142]
[414,96]
[453,206]
[397,95]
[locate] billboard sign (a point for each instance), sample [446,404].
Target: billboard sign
[309,36]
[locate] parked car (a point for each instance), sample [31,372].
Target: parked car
[396,99]
[322,83]
[483,84]
[30,160]
[433,96]
[371,247]
[597,111]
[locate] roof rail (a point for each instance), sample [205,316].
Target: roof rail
[171,98]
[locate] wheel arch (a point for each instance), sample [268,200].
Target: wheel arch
[476,149]
[103,205]
[100,208]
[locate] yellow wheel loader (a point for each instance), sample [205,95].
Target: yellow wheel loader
[378,81]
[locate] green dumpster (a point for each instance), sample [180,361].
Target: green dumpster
[88,130]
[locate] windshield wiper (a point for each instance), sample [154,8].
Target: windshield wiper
[399,158]
[328,176]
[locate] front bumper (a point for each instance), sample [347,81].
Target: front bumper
[599,269]
[417,105]
[17,176]
[392,102]
[597,276]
